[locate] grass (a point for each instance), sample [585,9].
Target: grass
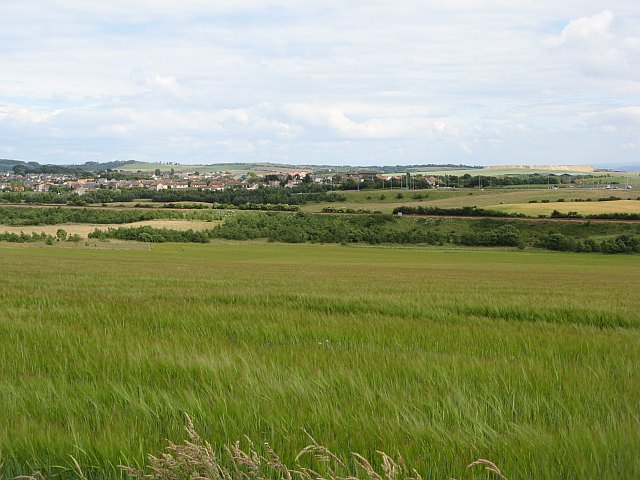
[442,356]
[197,458]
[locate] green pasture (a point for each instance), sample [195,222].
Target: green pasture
[442,355]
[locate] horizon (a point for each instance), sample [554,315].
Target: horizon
[628,168]
[537,83]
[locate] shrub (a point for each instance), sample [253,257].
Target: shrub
[556,241]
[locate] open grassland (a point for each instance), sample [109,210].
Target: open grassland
[83,229]
[529,359]
[582,208]
[386,200]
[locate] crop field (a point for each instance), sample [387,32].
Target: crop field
[386,200]
[442,355]
[583,208]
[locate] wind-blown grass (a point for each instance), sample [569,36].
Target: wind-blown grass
[443,356]
[195,458]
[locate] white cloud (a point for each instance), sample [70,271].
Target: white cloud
[461,80]
[590,44]
[23,116]
[336,120]
[157,82]
[587,27]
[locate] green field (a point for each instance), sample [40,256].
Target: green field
[441,355]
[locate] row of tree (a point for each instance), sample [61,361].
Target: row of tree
[233,196]
[453,212]
[619,244]
[152,235]
[57,216]
[482,212]
[61,236]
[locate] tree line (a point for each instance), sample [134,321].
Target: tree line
[381,229]
[58,215]
[482,212]
[388,229]
[232,196]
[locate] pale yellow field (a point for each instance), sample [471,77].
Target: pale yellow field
[84,229]
[583,208]
[468,197]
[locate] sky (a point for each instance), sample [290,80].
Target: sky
[476,82]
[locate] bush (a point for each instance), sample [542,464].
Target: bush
[454,212]
[556,241]
[151,235]
[505,236]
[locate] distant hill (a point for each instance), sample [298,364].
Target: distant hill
[97,166]
[7,165]
[268,167]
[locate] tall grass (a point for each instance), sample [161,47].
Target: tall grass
[195,458]
[441,356]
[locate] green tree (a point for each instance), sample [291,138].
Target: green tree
[20,169]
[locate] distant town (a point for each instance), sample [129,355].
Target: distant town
[18,176]
[21,179]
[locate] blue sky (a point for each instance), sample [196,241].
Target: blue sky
[334,82]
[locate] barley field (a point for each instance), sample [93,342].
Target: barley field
[583,208]
[441,355]
[507,198]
